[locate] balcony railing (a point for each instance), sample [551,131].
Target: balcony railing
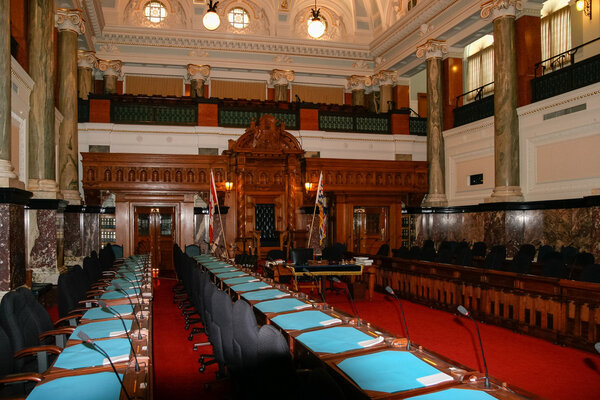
[482,107]
[186,111]
[561,74]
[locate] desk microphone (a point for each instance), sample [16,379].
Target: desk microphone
[597,347]
[111,310]
[120,289]
[316,280]
[337,280]
[466,313]
[139,295]
[86,339]
[391,291]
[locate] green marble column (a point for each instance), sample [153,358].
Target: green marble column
[197,74]
[358,84]
[40,43]
[7,175]
[506,121]
[111,70]
[280,79]
[86,62]
[436,195]
[70,25]
[386,81]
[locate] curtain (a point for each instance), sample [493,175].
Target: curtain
[318,94]
[238,90]
[556,36]
[480,71]
[153,85]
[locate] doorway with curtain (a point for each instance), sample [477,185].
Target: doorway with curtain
[154,233]
[370,229]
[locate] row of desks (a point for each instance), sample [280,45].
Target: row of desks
[367,361]
[81,372]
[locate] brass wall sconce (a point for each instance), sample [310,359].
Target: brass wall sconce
[585,6]
[228,186]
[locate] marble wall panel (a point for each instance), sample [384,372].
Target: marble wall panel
[533,227]
[43,239]
[514,225]
[494,225]
[557,228]
[91,234]
[582,227]
[73,235]
[419,230]
[595,235]
[5,256]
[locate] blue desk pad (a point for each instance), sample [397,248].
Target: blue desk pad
[118,295]
[241,279]
[305,320]
[99,386]
[224,269]
[282,305]
[99,313]
[214,263]
[233,274]
[102,329]
[123,283]
[132,276]
[216,267]
[266,294]
[246,287]
[80,355]
[455,394]
[335,340]
[391,371]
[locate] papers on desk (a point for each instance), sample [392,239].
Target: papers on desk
[98,386]
[331,321]
[435,379]
[372,342]
[303,306]
[116,333]
[116,359]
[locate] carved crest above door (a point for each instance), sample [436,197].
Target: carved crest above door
[266,137]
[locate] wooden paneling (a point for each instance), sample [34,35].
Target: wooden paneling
[208,114]
[400,124]
[100,110]
[309,119]
[18,30]
[452,79]
[558,310]
[348,99]
[401,96]
[422,104]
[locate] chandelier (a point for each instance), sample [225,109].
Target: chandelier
[211,19]
[316,27]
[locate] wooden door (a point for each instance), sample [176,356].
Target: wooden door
[370,229]
[155,234]
[422,104]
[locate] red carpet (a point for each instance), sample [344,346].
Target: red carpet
[540,367]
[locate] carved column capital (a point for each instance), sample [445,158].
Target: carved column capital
[87,59]
[198,72]
[432,49]
[385,77]
[70,20]
[110,67]
[500,8]
[358,82]
[281,76]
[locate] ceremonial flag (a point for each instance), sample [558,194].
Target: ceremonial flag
[320,204]
[212,204]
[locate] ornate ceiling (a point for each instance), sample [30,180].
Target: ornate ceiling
[363,36]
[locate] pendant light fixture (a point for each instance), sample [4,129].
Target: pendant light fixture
[316,27]
[211,19]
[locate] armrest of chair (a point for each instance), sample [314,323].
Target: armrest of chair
[94,292]
[68,318]
[23,376]
[86,301]
[62,331]
[38,349]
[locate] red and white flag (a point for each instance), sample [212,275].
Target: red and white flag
[212,204]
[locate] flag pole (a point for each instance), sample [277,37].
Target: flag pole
[314,210]
[219,211]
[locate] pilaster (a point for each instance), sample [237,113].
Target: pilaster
[358,84]
[111,71]
[86,62]
[280,79]
[197,75]
[386,80]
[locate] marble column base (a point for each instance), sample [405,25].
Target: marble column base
[72,196]
[12,251]
[435,200]
[503,194]
[44,189]
[43,245]
[8,178]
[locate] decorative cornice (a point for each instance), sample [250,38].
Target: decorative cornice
[432,49]
[500,8]
[328,50]
[70,20]
[198,72]
[110,67]
[358,82]
[87,59]
[385,77]
[281,77]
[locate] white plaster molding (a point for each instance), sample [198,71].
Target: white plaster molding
[198,72]
[69,20]
[385,78]
[500,8]
[87,59]
[358,82]
[281,77]
[110,67]
[432,48]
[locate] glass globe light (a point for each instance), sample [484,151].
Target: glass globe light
[211,20]
[316,28]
